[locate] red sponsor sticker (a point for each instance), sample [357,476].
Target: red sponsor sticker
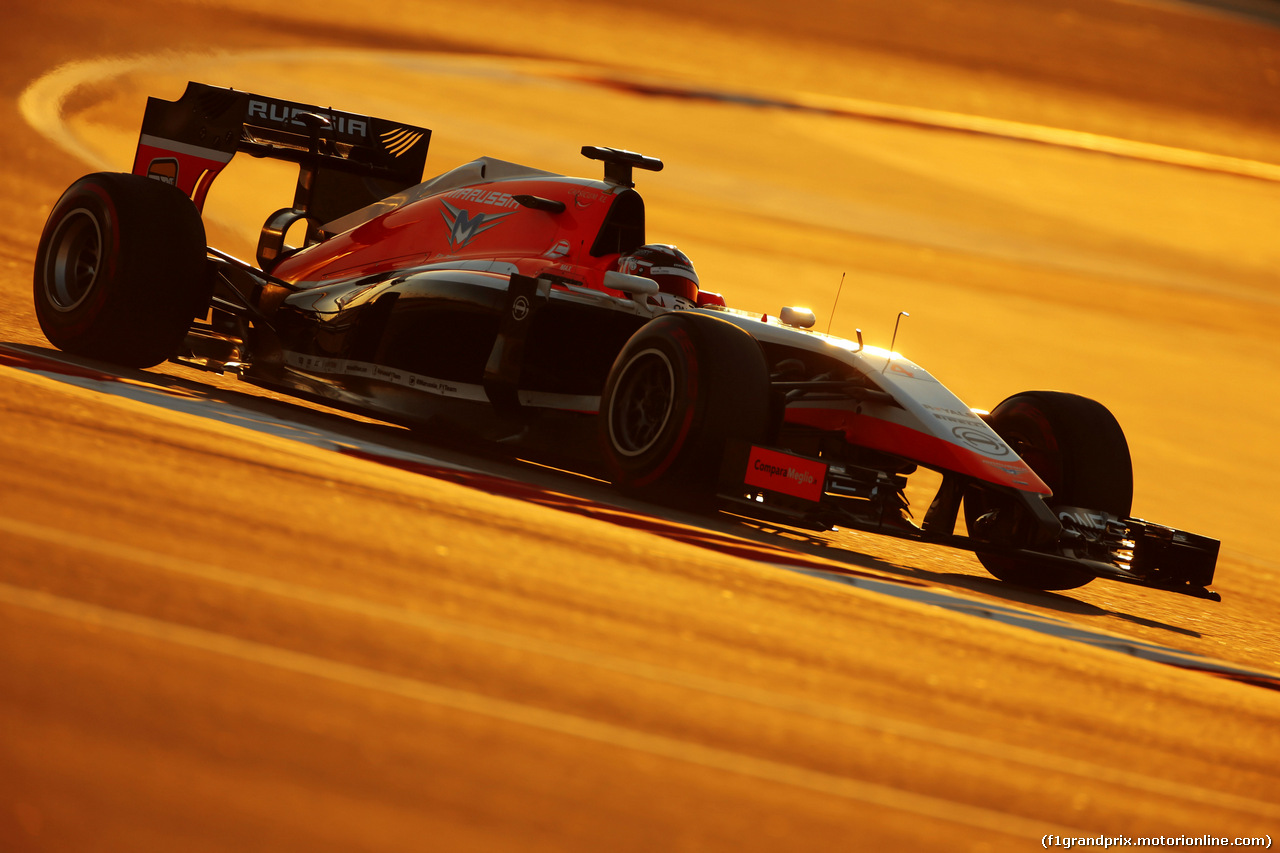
[782,472]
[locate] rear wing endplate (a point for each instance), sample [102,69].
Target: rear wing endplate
[347,160]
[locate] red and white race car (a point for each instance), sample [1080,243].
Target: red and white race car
[524,304]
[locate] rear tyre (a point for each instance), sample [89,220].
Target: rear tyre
[1078,449]
[682,387]
[121,269]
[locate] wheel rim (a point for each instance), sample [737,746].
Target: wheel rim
[642,403]
[75,250]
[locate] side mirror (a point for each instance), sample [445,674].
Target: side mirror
[801,318]
[636,285]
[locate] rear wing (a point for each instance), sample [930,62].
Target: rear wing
[346,160]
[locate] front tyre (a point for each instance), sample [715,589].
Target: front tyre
[121,269]
[1076,446]
[682,387]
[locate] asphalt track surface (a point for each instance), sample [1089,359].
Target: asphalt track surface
[232,621]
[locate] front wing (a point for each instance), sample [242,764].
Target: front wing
[779,486]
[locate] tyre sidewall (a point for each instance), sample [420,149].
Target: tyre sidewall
[65,327]
[679,353]
[151,280]
[720,394]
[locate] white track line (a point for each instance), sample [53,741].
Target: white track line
[42,102]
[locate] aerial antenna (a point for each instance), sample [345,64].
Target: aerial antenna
[894,340]
[832,317]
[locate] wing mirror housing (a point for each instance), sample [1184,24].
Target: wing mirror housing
[801,318]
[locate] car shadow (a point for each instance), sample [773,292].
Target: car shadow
[908,569]
[450,454]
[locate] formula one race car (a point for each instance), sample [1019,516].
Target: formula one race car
[526,304]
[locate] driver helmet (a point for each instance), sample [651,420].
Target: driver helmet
[665,264]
